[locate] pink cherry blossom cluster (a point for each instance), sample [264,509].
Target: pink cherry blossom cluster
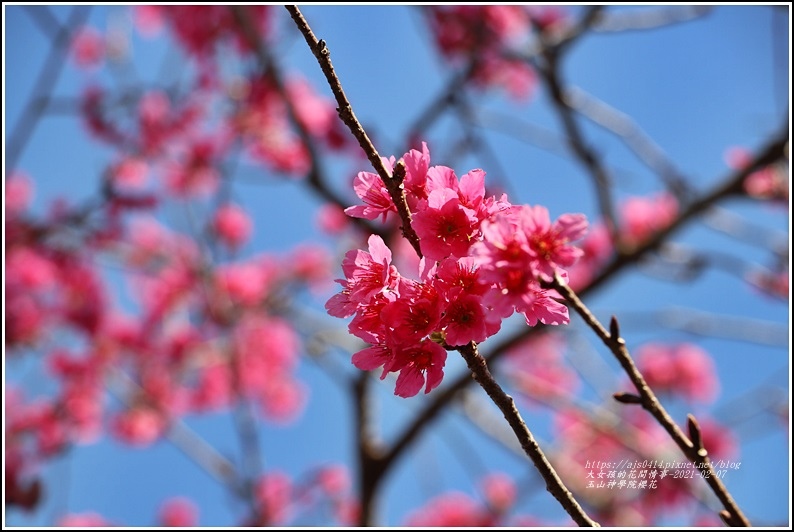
[199,29]
[495,507]
[278,498]
[234,345]
[484,259]
[683,369]
[769,183]
[482,34]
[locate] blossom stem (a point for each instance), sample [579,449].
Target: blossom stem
[394,182]
[505,403]
[695,453]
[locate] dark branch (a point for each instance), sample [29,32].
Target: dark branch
[692,449]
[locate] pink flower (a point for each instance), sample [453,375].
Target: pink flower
[503,254]
[374,357]
[213,388]
[263,122]
[334,480]
[444,226]
[682,369]
[718,440]
[178,512]
[539,305]
[499,490]
[195,174]
[538,369]
[232,225]
[130,172]
[412,316]
[316,113]
[644,217]
[148,19]
[273,492]
[310,264]
[139,426]
[421,364]
[485,31]
[550,242]
[88,48]
[596,250]
[84,520]
[465,320]
[377,201]
[331,219]
[416,169]
[367,274]
[282,399]
[451,510]
[200,28]
[18,194]
[246,284]
[459,276]
[766,183]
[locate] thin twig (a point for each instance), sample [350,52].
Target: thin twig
[316,177]
[692,449]
[648,19]
[632,136]
[178,433]
[394,182]
[39,97]
[554,484]
[44,19]
[585,155]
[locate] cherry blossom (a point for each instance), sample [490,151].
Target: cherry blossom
[483,260]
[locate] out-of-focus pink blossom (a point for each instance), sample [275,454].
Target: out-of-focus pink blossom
[718,440]
[148,19]
[88,48]
[18,194]
[538,369]
[84,520]
[642,217]
[331,219]
[178,512]
[334,480]
[499,491]
[130,172]
[775,284]
[232,225]
[766,183]
[450,510]
[310,264]
[274,492]
[486,33]
[140,426]
[682,369]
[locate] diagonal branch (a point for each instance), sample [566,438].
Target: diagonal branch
[586,156]
[40,95]
[693,449]
[505,403]
[394,183]
[316,177]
